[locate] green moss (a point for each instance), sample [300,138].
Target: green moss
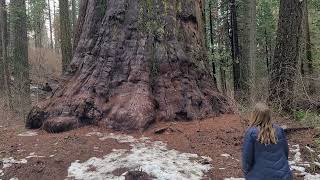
[102,7]
[165,6]
[178,6]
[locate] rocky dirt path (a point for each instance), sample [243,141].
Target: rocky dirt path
[208,149]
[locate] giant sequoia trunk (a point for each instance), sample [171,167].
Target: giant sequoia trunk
[137,62]
[284,66]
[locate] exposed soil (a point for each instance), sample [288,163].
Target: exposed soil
[219,138]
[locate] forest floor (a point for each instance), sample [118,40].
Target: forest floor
[208,149]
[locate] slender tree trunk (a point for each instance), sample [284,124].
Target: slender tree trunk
[309,62]
[4,57]
[20,54]
[65,34]
[212,44]
[73,14]
[50,25]
[2,74]
[235,50]
[267,50]
[137,63]
[284,66]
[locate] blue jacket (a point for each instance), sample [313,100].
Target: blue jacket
[265,162]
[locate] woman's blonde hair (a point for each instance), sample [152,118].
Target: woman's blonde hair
[261,118]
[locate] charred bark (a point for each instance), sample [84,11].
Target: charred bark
[136,62]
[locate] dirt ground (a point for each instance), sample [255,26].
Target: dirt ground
[220,138]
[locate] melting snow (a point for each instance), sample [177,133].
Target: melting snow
[299,166]
[8,162]
[28,133]
[153,158]
[225,155]
[32,155]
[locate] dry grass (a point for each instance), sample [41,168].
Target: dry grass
[44,64]
[7,117]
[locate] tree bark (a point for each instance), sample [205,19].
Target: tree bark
[50,24]
[78,28]
[284,66]
[3,53]
[311,83]
[2,75]
[20,55]
[65,34]
[248,48]
[235,50]
[136,63]
[212,44]
[73,14]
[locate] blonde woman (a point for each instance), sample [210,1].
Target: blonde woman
[265,149]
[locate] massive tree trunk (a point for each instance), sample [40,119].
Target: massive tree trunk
[137,62]
[20,55]
[65,34]
[284,66]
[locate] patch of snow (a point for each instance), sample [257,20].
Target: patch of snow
[310,149]
[317,164]
[222,168]
[28,134]
[8,162]
[225,155]
[297,156]
[153,158]
[94,133]
[232,178]
[14,178]
[119,138]
[297,165]
[52,155]
[32,155]
[1,172]
[312,177]
[298,168]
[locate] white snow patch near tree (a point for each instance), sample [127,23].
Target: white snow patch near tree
[154,158]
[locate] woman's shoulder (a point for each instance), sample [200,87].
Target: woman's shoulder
[280,131]
[252,131]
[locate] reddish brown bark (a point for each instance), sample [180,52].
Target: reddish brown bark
[136,62]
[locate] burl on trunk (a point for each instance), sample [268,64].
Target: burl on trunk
[136,62]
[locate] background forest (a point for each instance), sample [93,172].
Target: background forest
[37,38]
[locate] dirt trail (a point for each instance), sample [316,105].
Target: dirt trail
[38,155]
